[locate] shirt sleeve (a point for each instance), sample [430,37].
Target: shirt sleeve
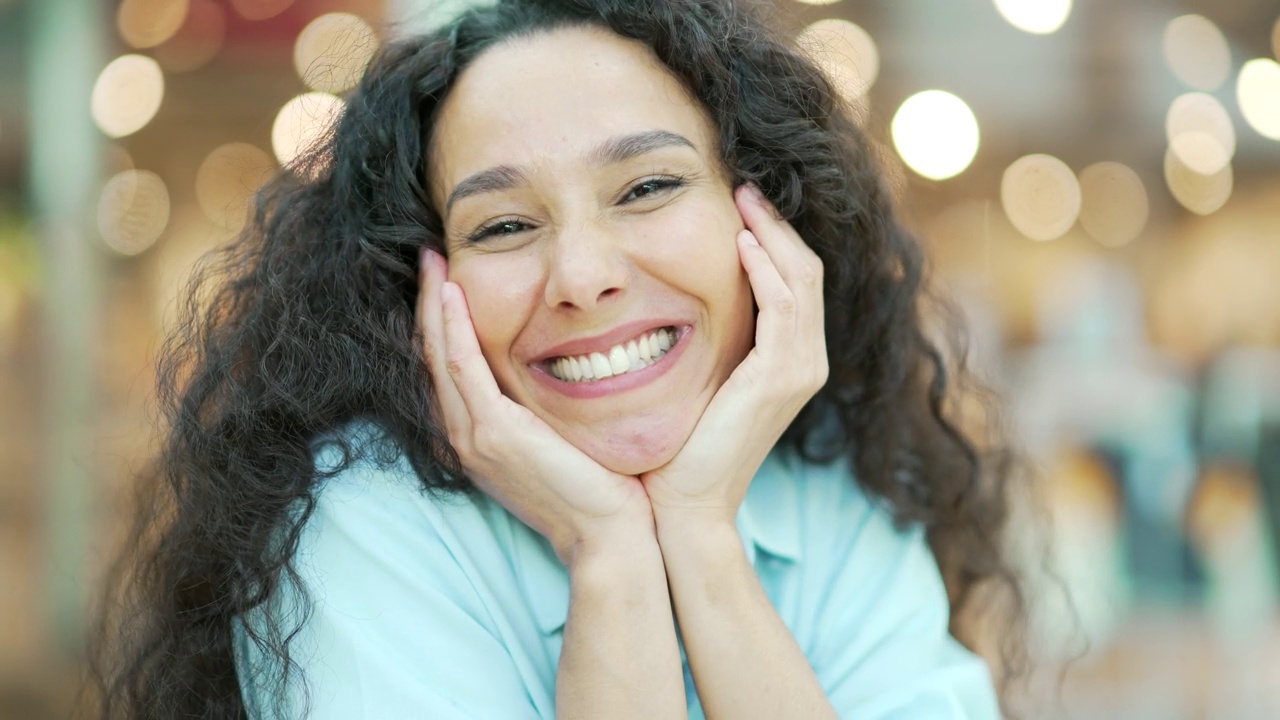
[397,626]
[883,649]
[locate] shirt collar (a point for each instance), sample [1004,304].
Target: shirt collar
[768,521]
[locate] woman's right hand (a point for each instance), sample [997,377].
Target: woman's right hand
[510,453]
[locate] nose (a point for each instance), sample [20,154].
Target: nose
[587,266]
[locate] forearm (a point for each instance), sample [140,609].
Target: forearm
[745,662]
[620,658]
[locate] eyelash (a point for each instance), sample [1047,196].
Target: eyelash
[662,184]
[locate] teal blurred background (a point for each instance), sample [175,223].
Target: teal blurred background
[1097,184]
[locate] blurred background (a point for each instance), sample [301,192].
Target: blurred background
[1097,183]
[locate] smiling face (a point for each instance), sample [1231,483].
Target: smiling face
[591,227]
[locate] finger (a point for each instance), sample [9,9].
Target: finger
[798,264]
[464,361]
[448,402]
[775,299]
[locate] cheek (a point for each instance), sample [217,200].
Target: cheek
[497,291]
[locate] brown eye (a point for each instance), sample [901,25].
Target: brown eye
[500,228]
[652,187]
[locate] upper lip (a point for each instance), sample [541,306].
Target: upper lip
[604,341]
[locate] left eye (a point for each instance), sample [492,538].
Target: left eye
[652,187]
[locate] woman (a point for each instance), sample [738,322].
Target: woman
[529,403]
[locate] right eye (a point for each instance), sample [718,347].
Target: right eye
[501,228]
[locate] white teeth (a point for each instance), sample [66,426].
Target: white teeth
[633,355]
[618,360]
[600,367]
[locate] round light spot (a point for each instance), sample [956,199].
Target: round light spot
[1200,132]
[1041,196]
[332,51]
[227,180]
[197,41]
[260,9]
[1258,91]
[1201,194]
[1039,17]
[1197,52]
[301,124]
[845,52]
[1114,205]
[936,134]
[127,95]
[147,23]
[133,211]
[1275,39]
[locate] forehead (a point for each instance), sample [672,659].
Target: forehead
[553,97]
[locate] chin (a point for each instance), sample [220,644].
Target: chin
[635,452]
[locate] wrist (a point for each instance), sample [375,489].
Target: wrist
[617,541]
[701,534]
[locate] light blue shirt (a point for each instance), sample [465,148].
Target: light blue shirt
[452,608]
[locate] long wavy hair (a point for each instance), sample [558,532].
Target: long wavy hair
[307,322]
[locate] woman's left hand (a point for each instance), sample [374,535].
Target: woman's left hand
[707,480]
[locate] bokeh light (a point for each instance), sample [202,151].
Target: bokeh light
[302,123]
[1258,91]
[133,211]
[845,52]
[1039,17]
[147,23]
[1200,132]
[1275,39]
[1040,196]
[332,51]
[260,9]
[197,41]
[1197,52]
[127,95]
[227,180]
[1199,193]
[1114,206]
[936,134]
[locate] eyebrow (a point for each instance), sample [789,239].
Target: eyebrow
[610,152]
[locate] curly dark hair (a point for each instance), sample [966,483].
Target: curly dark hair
[307,322]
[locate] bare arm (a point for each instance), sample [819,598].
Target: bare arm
[620,658]
[745,662]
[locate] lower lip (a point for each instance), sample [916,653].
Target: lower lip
[618,383]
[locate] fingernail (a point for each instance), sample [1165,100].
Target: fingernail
[749,238]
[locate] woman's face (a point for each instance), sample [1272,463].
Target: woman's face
[590,225]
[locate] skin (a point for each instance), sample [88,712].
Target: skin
[636,489]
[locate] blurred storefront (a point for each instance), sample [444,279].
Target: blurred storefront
[1097,183]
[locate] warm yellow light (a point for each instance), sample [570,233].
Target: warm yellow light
[227,180]
[845,52]
[1275,39]
[333,50]
[1201,194]
[197,41]
[1200,132]
[936,134]
[1039,17]
[1197,52]
[302,123]
[133,211]
[147,23]
[1041,196]
[1114,206]
[1258,91]
[260,9]
[127,95]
